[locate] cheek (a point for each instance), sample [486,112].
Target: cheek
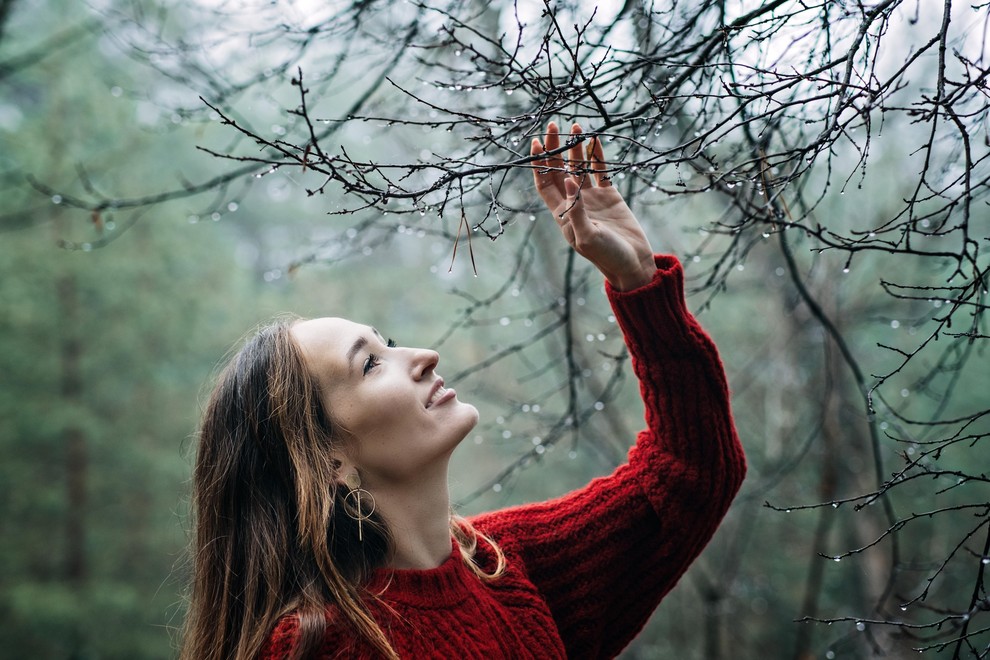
[347,413]
[369,417]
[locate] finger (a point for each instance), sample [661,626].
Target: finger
[549,181]
[596,156]
[576,163]
[545,179]
[574,214]
[555,161]
[540,174]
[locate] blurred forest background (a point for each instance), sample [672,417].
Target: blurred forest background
[174,173]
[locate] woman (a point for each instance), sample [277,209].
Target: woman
[323,523]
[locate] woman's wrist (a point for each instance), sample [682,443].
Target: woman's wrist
[632,280]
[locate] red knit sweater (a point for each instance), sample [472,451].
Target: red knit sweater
[586,570]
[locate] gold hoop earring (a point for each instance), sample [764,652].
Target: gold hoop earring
[353,481]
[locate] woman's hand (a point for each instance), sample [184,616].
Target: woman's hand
[591,213]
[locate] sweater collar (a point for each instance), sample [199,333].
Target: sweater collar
[447,585]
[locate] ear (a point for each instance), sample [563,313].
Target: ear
[342,464]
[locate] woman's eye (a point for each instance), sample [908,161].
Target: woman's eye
[373,360]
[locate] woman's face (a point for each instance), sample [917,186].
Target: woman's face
[398,418]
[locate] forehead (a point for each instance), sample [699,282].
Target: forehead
[325,331]
[325,341]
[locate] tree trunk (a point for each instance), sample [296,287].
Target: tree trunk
[70,351]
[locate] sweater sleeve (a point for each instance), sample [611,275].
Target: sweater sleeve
[604,556]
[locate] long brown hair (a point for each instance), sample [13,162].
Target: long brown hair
[271,530]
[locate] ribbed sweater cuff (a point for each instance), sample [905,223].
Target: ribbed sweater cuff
[654,317]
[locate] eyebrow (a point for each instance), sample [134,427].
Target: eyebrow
[356,348]
[358,345]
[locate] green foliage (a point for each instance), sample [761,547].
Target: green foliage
[108,346]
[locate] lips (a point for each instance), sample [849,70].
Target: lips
[439,394]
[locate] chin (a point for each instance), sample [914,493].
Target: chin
[469,419]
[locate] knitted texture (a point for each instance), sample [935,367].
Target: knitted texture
[585,570]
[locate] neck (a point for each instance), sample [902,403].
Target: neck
[418,514]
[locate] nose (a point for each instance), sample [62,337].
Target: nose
[424,362]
